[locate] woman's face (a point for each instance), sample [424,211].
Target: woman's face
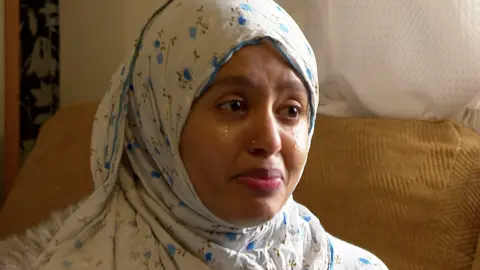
[245,142]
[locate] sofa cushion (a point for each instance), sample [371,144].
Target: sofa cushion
[56,172]
[407,190]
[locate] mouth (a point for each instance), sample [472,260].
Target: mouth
[262,180]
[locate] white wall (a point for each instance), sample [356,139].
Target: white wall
[91,45]
[94,38]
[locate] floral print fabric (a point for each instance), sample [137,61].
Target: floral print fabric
[40,72]
[152,219]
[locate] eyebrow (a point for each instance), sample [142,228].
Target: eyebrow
[244,81]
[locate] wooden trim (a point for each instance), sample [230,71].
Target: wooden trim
[12,92]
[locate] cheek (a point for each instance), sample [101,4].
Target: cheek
[201,146]
[297,149]
[300,138]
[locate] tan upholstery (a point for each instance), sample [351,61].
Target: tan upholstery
[56,173]
[407,190]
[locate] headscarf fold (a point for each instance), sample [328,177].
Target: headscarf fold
[150,217]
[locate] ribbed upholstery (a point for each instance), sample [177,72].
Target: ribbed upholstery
[407,190]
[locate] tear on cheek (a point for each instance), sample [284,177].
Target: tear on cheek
[300,139]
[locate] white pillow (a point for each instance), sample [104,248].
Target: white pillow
[405,59]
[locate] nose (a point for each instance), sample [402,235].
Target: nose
[265,139]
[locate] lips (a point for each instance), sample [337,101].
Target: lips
[261,179]
[261,173]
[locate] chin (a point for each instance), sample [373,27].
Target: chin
[255,213]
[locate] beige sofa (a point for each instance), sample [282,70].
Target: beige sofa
[407,190]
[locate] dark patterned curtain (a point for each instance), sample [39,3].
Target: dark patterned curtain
[39,94]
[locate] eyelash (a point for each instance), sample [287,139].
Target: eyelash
[243,106]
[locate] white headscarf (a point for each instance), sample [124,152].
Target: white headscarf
[153,219]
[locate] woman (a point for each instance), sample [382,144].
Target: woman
[198,146]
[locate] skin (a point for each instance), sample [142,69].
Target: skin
[254,115]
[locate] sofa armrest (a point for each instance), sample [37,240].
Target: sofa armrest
[57,172]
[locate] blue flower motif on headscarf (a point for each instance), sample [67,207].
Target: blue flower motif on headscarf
[364,261]
[155,174]
[208,257]
[182,204]
[242,20]
[309,74]
[171,250]
[245,7]
[187,74]
[251,246]
[192,31]
[231,236]
[160,58]
[284,27]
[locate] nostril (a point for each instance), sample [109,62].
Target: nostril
[257,151]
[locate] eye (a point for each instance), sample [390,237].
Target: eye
[233,105]
[291,112]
